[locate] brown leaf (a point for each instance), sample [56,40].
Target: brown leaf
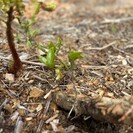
[36,92]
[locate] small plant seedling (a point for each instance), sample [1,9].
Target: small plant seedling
[14,9]
[9,7]
[73,56]
[113,28]
[51,55]
[49,60]
[58,72]
[58,46]
[27,24]
[53,50]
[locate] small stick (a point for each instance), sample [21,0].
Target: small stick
[43,116]
[107,21]
[102,48]
[24,61]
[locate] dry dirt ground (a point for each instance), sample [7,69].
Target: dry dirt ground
[103,31]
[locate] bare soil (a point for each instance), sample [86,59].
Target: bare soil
[103,31]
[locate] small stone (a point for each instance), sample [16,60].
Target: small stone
[9,77]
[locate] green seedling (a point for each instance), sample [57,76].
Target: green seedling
[49,61]
[53,50]
[29,43]
[113,28]
[73,56]
[28,23]
[52,54]
[18,38]
[30,34]
[14,9]
[42,48]
[9,8]
[58,46]
[58,72]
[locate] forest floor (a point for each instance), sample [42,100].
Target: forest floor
[103,31]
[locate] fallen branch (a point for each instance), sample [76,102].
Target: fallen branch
[118,111]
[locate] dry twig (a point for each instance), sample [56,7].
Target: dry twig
[104,47]
[119,20]
[41,123]
[24,61]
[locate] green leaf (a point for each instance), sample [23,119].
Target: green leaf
[30,23]
[74,55]
[58,73]
[29,43]
[52,45]
[33,33]
[41,47]
[49,61]
[58,45]
[65,65]
[113,28]
[37,9]
[42,59]
[51,57]
[18,38]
